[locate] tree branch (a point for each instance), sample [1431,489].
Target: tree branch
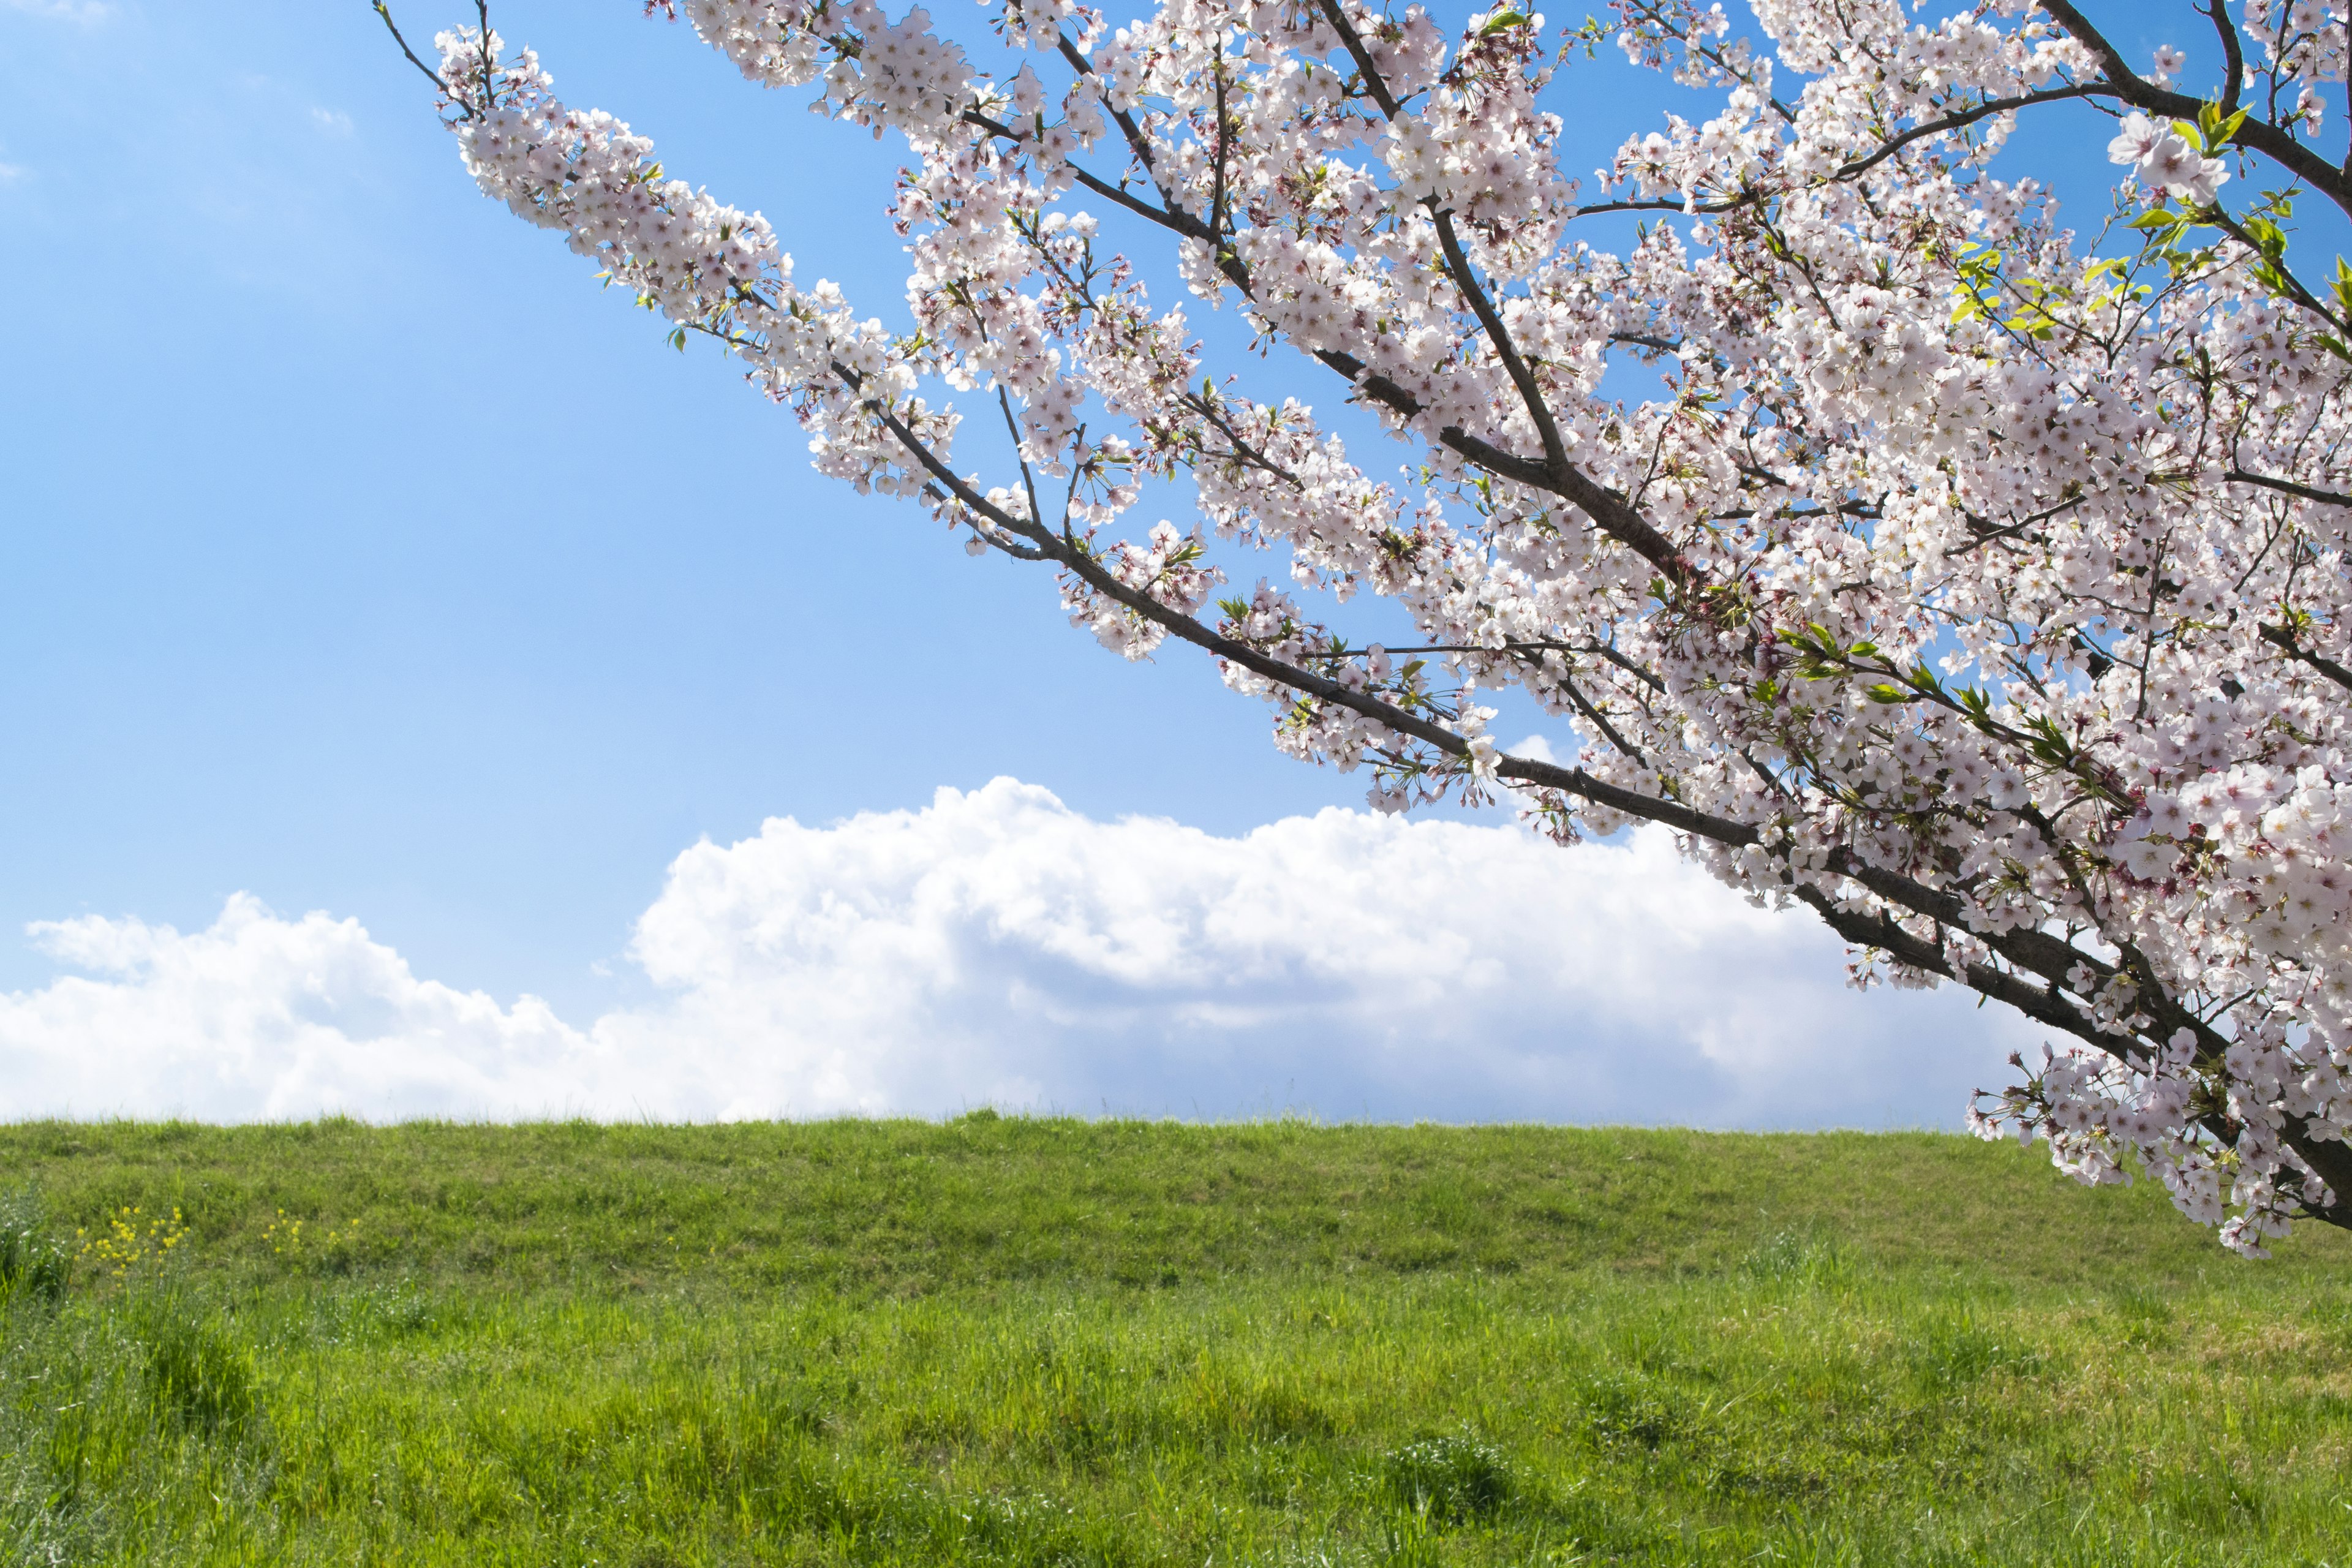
[2261,135]
[431,75]
[2282,639]
[2289,488]
[2233,59]
[2039,952]
[1457,265]
[1954,121]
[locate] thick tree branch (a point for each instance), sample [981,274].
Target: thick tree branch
[2289,488]
[2042,1005]
[2234,58]
[1611,512]
[2272,141]
[2037,952]
[2284,638]
[1374,83]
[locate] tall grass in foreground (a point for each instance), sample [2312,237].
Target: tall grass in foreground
[1052,1342]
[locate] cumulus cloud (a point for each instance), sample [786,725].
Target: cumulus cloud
[261,1017]
[997,947]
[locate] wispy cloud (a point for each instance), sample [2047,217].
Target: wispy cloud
[997,947]
[62,10]
[334,121]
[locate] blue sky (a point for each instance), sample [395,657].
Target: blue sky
[360,555]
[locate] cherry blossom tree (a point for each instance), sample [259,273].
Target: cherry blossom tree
[1976,581]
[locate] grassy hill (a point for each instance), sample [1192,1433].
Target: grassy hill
[1032,1342]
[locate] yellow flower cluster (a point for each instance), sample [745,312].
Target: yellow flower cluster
[130,1241]
[285,1239]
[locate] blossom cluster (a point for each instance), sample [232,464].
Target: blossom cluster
[2165,159]
[1978,586]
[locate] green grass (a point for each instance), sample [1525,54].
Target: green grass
[1027,1341]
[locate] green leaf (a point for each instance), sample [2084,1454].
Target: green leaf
[2215,131]
[1502,20]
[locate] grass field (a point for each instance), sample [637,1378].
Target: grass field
[1018,1341]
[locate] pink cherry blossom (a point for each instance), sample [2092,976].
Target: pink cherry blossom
[1978,584]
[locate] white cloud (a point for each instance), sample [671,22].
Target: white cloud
[998,947]
[334,121]
[12,173]
[260,1017]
